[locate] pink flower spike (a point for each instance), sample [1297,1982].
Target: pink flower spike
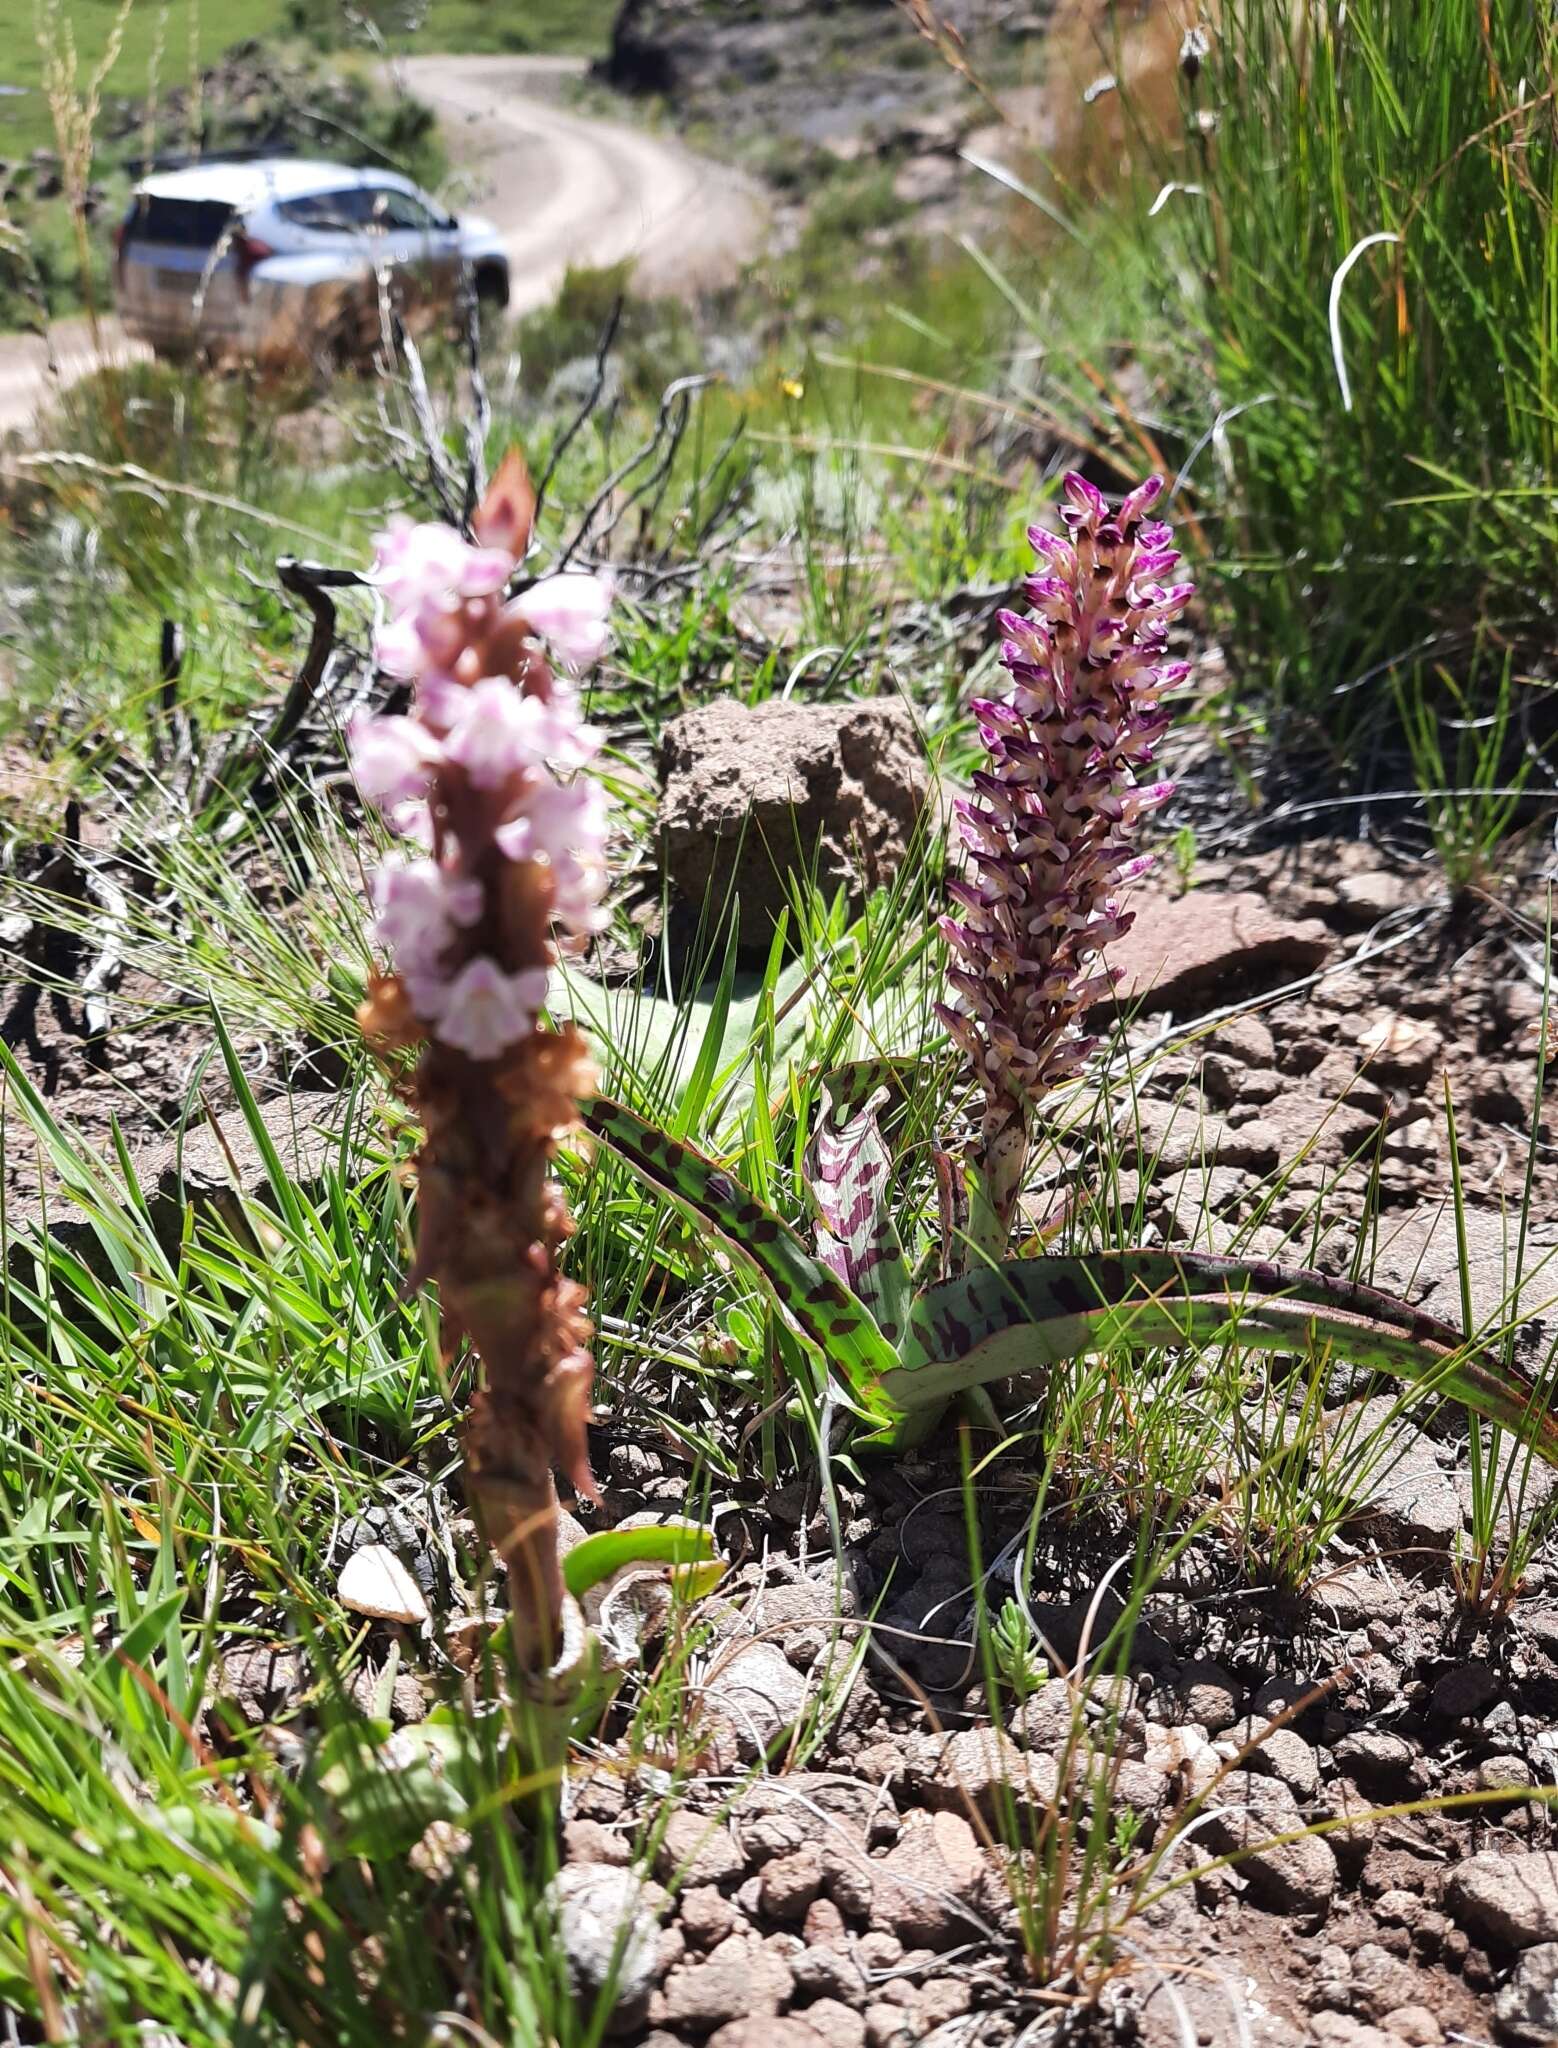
[483,1011]
[569,614]
[391,757]
[413,563]
[484,572]
[419,908]
[398,648]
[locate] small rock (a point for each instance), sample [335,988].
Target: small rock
[836,2024]
[795,2032]
[1464,1691]
[587,1841]
[756,794]
[1400,1049]
[1281,1754]
[1509,1899]
[707,1916]
[1297,1877]
[1504,1774]
[608,1926]
[1385,1765]
[1364,899]
[827,1973]
[1209,943]
[889,2026]
[984,1769]
[1208,1694]
[1526,2008]
[253,1680]
[930,1889]
[1414,2024]
[375,1582]
[697,1850]
[755,1696]
[790,1884]
[741,1979]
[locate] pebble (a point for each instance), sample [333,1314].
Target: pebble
[374,1582]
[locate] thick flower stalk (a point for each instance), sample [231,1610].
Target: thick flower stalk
[502,851]
[1048,828]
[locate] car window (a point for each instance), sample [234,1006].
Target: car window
[401,210]
[177,223]
[325,212]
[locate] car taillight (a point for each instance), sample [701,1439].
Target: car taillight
[249,250]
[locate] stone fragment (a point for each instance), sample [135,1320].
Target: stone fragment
[984,1769]
[1401,1050]
[1281,1754]
[1206,948]
[756,796]
[200,1168]
[1414,2024]
[1364,899]
[254,1680]
[706,1916]
[1507,1899]
[1411,1493]
[790,1883]
[698,1849]
[1297,1877]
[741,1979]
[794,2032]
[1525,2011]
[1465,1691]
[1384,1765]
[587,1841]
[1208,1695]
[932,1888]
[374,1582]
[608,1926]
[837,2025]
[753,1696]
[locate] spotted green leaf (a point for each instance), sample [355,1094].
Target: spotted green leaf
[832,1319]
[1029,1314]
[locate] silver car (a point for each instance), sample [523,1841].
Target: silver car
[275,259]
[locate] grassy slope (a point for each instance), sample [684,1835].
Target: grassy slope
[574,26]
[24,122]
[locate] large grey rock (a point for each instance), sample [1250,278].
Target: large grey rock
[1526,2009]
[608,1926]
[757,794]
[1509,1900]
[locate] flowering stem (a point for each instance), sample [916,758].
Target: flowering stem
[501,855]
[1047,830]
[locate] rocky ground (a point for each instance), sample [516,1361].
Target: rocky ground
[1290,1011]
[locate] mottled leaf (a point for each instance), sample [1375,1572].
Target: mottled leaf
[832,1319]
[1029,1314]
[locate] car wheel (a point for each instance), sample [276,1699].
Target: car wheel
[492,286]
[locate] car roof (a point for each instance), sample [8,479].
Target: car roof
[258,179]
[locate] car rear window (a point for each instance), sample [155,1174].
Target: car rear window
[178,223]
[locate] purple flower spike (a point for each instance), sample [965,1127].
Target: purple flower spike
[1047,825]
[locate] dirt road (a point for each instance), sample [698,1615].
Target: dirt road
[561,187]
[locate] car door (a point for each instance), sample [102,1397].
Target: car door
[426,251]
